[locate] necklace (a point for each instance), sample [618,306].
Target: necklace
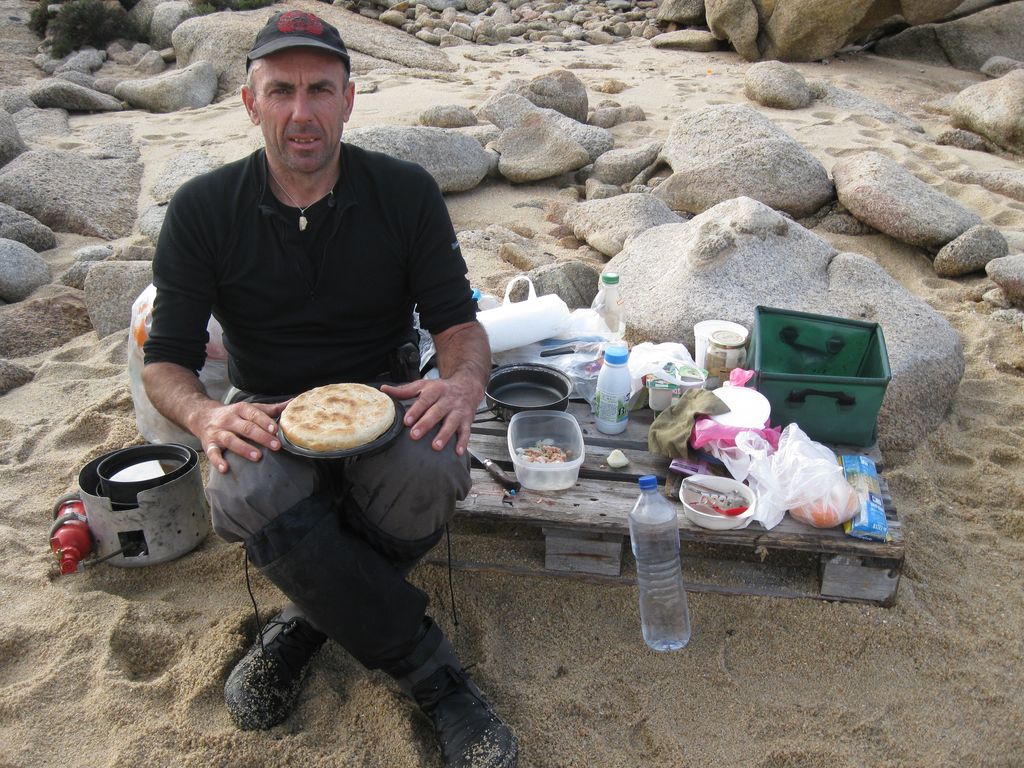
[303,221]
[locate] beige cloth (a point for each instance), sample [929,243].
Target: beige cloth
[671,431]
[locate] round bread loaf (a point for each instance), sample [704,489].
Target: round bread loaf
[337,417]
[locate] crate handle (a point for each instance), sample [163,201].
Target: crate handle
[789,335]
[799,397]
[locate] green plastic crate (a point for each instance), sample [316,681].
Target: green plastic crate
[827,374]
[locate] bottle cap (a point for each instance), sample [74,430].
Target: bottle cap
[476,294]
[647,482]
[610,278]
[616,355]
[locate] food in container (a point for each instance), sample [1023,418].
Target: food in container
[543,452]
[700,495]
[725,351]
[534,435]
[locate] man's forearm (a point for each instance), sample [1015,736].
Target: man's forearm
[464,350]
[178,394]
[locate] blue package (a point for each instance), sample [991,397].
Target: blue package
[869,522]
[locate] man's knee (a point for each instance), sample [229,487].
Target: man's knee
[409,492]
[252,494]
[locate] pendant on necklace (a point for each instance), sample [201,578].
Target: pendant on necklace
[302,223]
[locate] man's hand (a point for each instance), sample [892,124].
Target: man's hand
[241,428]
[450,402]
[464,361]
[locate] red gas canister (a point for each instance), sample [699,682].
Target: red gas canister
[70,537]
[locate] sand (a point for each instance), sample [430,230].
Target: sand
[125,667]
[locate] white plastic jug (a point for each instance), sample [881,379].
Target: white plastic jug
[514,324]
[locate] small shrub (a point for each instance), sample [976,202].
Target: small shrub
[39,18]
[88,22]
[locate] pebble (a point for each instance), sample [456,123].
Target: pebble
[617,459]
[596,23]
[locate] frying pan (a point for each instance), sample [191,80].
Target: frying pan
[527,387]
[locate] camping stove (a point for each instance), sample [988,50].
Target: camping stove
[142,505]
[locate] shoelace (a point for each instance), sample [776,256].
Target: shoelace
[252,597]
[261,630]
[451,581]
[285,640]
[456,726]
[446,680]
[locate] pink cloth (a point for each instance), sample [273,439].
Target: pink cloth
[739,377]
[706,430]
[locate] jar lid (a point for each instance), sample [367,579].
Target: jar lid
[610,278]
[726,338]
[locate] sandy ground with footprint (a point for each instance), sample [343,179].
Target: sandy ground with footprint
[119,667]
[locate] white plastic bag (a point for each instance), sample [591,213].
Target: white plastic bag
[214,375]
[649,359]
[752,459]
[817,491]
[802,476]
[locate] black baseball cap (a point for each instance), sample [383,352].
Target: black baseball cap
[297,29]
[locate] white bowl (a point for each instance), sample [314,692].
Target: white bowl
[707,518]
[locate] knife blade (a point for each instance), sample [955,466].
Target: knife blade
[508,483]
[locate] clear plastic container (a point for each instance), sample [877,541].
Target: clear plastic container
[529,429]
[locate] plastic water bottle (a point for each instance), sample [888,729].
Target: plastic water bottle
[608,304]
[485,301]
[611,401]
[654,533]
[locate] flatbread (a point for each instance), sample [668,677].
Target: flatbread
[337,417]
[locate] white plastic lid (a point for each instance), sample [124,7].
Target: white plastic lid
[748,408]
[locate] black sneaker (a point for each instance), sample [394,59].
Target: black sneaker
[470,733]
[263,687]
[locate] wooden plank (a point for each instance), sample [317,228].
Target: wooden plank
[854,578]
[518,549]
[723,577]
[495,448]
[634,436]
[582,551]
[603,506]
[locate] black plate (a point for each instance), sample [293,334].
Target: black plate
[374,445]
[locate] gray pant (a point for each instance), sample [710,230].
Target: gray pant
[401,496]
[339,536]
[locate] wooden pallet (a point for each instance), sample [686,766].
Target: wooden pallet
[582,530]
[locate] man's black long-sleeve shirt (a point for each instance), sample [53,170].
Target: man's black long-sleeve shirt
[304,309]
